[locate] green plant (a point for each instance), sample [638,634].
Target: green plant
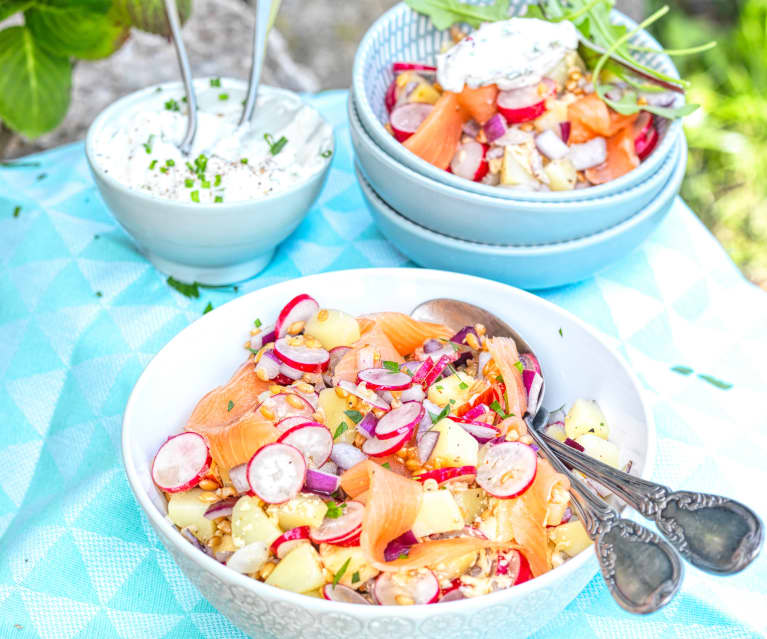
[36,57]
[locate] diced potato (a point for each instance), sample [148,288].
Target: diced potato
[515,170]
[556,431]
[250,523]
[334,557]
[585,416]
[424,92]
[333,328]
[300,570]
[470,502]
[456,387]
[303,510]
[406,77]
[449,570]
[562,175]
[503,509]
[455,447]
[186,510]
[315,593]
[600,449]
[333,408]
[570,538]
[438,513]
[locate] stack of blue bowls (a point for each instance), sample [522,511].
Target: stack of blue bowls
[526,238]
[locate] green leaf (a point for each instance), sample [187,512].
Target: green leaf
[9,7]
[682,370]
[34,84]
[390,366]
[149,15]
[445,13]
[496,406]
[342,428]
[341,571]
[229,406]
[715,382]
[208,308]
[334,510]
[188,290]
[354,415]
[77,32]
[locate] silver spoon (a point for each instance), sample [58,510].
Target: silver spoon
[263,8]
[171,11]
[716,534]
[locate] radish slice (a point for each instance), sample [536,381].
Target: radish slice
[509,564]
[221,508]
[181,462]
[313,440]
[390,99]
[480,431]
[266,335]
[268,366]
[426,444]
[347,455]
[276,473]
[436,371]
[414,393]
[421,587]
[647,136]
[299,309]
[383,379]
[278,407]
[289,540]
[453,594]
[303,358]
[525,573]
[406,118]
[469,161]
[423,370]
[332,531]
[318,481]
[442,475]
[399,67]
[521,105]
[399,420]
[474,413]
[284,425]
[343,594]
[507,469]
[376,447]
[364,394]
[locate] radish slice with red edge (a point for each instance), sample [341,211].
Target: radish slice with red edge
[521,105]
[406,118]
[508,564]
[454,594]
[284,425]
[421,587]
[343,594]
[507,469]
[268,366]
[399,420]
[299,309]
[331,531]
[436,371]
[284,405]
[370,397]
[469,161]
[442,475]
[347,455]
[384,379]
[423,370]
[289,540]
[268,334]
[181,462]
[525,573]
[426,444]
[276,473]
[399,67]
[221,508]
[480,431]
[239,478]
[473,413]
[376,447]
[313,440]
[302,358]
[321,482]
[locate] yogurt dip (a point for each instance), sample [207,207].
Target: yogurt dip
[285,143]
[512,53]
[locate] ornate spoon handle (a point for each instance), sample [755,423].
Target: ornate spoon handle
[641,569]
[186,74]
[716,534]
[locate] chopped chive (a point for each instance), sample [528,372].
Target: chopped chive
[326,154]
[341,571]
[223,96]
[195,195]
[682,370]
[463,385]
[189,183]
[257,322]
[16,211]
[230,405]
[217,180]
[560,333]
[518,365]
[163,169]
[148,144]
[215,82]
[275,147]
[208,309]
[334,510]
[243,160]
[498,409]
[386,465]
[205,184]
[152,164]
[170,162]
[172,105]
[355,577]
[218,199]
[715,382]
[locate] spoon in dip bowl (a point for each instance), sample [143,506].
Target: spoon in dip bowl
[171,10]
[260,28]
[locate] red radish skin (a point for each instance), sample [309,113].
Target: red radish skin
[525,573]
[376,447]
[443,475]
[384,379]
[313,440]
[373,400]
[390,99]
[645,135]
[343,528]
[399,67]
[284,425]
[421,587]
[302,358]
[181,462]
[507,469]
[289,540]
[276,473]
[299,309]
[436,371]
[399,420]
[406,118]
[521,105]
[469,161]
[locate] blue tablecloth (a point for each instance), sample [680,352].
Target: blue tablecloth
[82,312]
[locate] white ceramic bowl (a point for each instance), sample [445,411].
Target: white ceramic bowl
[578,364]
[209,243]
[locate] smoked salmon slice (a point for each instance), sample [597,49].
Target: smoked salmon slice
[480,102]
[503,350]
[590,116]
[621,158]
[407,334]
[437,137]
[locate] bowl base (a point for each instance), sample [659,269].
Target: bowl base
[213,275]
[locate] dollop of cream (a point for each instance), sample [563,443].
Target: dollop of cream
[511,53]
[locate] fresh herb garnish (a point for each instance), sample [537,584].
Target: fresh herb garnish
[187,290]
[443,413]
[257,322]
[41,176]
[172,105]
[230,405]
[205,184]
[200,164]
[215,82]
[217,180]
[218,199]
[243,160]
[561,334]
[148,144]
[275,147]
[170,162]
[355,577]
[334,510]
[402,555]
[16,211]
[463,385]
[682,370]
[715,382]
[386,465]
[341,571]
[444,13]
[326,154]
[189,183]
[195,195]
[208,309]
[518,365]
[354,415]
[223,96]
[495,406]
[390,366]
[342,428]
[164,169]
[99,294]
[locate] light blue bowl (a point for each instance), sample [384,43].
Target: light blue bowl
[478,218]
[403,35]
[526,267]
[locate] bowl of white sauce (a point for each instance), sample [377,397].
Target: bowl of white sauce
[216,215]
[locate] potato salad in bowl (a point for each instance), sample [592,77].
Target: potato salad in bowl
[377,460]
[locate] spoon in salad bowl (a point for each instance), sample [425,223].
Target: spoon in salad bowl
[716,534]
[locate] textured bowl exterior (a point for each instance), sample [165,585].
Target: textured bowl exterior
[404,35]
[478,218]
[173,381]
[210,243]
[534,267]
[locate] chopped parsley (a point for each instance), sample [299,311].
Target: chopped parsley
[148,144]
[390,366]
[41,176]
[230,405]
[243,160]
[443,413]
[152,164]
[326,154]
[163,169]
[342,428]
[386,465]
[402,555]
[498,409]
[334,510]
[561,334]
[16,211]
[189,183]
[275,147]
[200,164]
[205,184]
[355,577]
[195,195]
[99,294]
[208,309]
[341,571]
[215,82]
[223,96]
[172,105]
[217,180]
[354,415]
[218,199]
[187,290]
[257,323]
[498,378]
[170,162]
[439,387]
[518,365]
[682,370]
[463,385]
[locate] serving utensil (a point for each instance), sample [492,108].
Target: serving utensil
[171,11]
[263,9]
[714,533]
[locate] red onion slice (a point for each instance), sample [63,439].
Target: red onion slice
[320,482]
[367,425]
[507,469]
[471,128]
[530,362]
[221,508]
[589,154]
[268,334]
[399,67]
[534,384]
[475,412]
[239,478]
[574,444]
[276,473]
[426,445]
[495,127]
[564,131]
[299,309]
[248,559]
[347,455]
[551,145]
[400,545]
[313,440]
[181,462]
[406,118]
